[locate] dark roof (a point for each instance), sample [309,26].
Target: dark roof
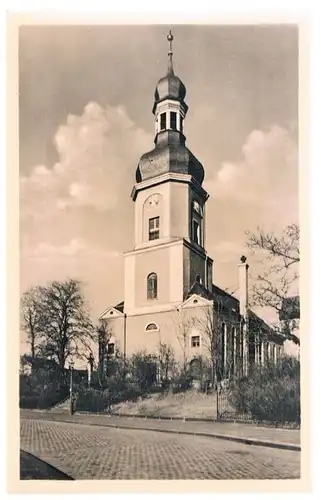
[169,87]
[229,302]
[257,322]
[169,155]
[290,308]
[120,306]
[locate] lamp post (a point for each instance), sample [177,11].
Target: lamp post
[90,368]
[71,366]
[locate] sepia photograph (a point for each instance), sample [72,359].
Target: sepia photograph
[159,247]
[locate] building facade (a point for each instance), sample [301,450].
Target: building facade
[169,295]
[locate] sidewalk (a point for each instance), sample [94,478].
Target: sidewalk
[244,433]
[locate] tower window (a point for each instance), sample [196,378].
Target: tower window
[181,123]
[195,341]
[196,232]
[163,121]
[173,120]
[197,222]
[153,228]
[152,286]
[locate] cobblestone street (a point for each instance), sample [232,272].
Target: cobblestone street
[92,452]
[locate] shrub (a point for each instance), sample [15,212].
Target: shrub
[143,368]
[270,393]
[42,389]
[92,400]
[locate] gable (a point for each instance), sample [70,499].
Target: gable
[111,312]
[195,301]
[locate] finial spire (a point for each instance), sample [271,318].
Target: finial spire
[170,38]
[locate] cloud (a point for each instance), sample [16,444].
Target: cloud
[265,177]
[72,212]
[75,248]
[97,151]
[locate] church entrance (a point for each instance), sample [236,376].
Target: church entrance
[196,368]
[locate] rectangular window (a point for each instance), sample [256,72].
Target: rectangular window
[173,120]
[163,121]
[111,349]
[181,123]
[196,232]
[153,228]
[195,341]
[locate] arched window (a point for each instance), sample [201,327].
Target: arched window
[151,327]
[152,286]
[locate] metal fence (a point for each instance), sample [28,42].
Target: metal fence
[224,408]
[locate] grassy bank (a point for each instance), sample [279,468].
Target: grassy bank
[190,404]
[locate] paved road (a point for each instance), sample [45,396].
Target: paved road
[88,452]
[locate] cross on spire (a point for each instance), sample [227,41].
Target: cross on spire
[170,38]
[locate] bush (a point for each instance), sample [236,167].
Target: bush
[143,369]
[41,390]
[92,400]
[270,393]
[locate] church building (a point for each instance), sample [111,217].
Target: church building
[169,295]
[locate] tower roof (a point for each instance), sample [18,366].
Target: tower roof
[170,153]
[172,157]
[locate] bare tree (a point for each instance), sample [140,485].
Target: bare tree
[211,327]
[183,324]
[166,360]
[66,329]
[103,336]
[281,254]
[30,318]
[216,317]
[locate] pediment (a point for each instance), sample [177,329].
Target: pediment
[195,301]
[110,313]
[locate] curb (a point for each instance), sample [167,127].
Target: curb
[227,437]
[255,423]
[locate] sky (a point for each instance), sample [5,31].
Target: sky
[85,118]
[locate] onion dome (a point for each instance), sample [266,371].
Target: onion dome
[170,86]
[169,155]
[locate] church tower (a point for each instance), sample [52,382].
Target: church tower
[169,252]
